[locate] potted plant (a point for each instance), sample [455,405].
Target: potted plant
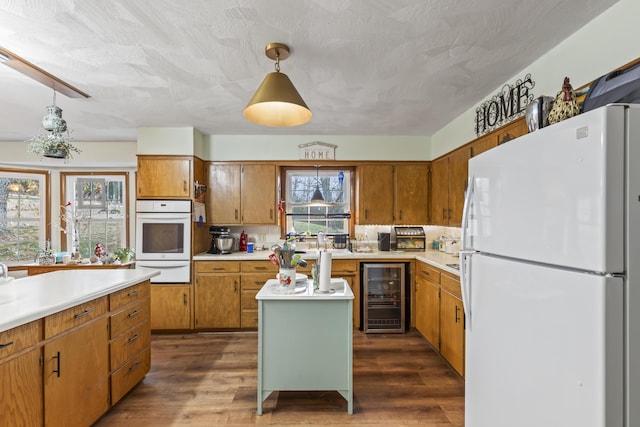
[124,254]
[52,145]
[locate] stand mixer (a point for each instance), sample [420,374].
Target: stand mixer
[221,241]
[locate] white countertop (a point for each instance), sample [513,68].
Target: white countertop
[435,258]
[33,297]
[339,290]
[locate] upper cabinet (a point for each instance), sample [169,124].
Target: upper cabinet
[393,194]
[167,177]
[448,182]
[242,194]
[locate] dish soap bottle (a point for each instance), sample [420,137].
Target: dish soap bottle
[242,246]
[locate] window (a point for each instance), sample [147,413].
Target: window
[94,211]
[23,214]
[304,217]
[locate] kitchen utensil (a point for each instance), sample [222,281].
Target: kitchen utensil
[274,259]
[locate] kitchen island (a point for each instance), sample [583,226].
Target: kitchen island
[72,344]
[305,340]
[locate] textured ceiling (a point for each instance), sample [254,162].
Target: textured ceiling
[364,67]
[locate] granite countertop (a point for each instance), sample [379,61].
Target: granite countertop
[436,258]
[340,290]
[34,297]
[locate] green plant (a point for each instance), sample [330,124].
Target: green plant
[52,145]
[124,254]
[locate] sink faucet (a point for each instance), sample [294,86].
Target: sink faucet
[5,271]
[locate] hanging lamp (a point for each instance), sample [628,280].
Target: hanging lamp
[277,103]
[317,198]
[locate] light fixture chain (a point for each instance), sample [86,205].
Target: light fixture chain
[277,61]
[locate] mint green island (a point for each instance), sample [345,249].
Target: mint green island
[305,340]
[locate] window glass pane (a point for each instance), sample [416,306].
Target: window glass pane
[22,215]
[96,213]
[305,217]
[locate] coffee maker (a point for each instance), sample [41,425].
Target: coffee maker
[218,232]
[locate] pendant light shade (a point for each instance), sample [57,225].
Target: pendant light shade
[317,198]
[277,102]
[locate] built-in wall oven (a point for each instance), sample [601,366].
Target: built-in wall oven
[163,239]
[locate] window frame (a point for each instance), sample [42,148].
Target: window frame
[312,168]
[44,231]
[65,176]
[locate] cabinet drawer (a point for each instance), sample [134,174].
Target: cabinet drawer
[129,317]
[217,266]
[125,296]
[428,272]
[74,316]
[451,283]
[129,375]
[249,319]
[258,267]
[128,344]
[20,337]
[344,265]
[256,281]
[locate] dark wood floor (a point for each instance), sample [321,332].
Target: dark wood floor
[210,380]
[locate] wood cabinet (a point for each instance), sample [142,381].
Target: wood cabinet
[349,270]
[242,194]
[21,398]
[164,177]
[393,194]
[170,306]
[130,337]
[448,182]
[254,276]
[452,336]
[428,303]
[76,375]
[217,294]
[375,194]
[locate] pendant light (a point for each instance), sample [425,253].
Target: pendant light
[317,198]
[277,103]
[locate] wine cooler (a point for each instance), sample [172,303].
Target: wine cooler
[383,304]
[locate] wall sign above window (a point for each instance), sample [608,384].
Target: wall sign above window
[317,150]
[505,105]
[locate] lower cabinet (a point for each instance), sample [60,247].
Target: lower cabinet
[170,306]
[254,275]
[217,294]
[349,270]
[21,402]
[76,376]
[440,313]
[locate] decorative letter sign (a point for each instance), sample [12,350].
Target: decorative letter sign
[504,106]
[317,151]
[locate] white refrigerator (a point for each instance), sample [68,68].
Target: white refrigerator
[549,267]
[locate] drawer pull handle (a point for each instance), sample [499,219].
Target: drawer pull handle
[133,293]
[133,338]
[217,268]
[84,313]
[57,371]
[6,345]
[134,313]
[135,366]
[261,268]
[425,272]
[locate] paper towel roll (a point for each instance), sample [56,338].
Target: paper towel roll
[325,271]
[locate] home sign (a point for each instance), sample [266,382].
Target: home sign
[317,151]
[505,105]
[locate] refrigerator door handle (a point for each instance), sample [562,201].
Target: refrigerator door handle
[466,212]
[465,285]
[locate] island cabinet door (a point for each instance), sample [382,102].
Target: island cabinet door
[76,376]
[21,390]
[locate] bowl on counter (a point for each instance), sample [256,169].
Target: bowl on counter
[224,244]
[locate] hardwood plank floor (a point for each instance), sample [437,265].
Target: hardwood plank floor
[210,379]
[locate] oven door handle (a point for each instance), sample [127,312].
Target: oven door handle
[162,265]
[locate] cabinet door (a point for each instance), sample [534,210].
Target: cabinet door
[163,178]
[375,194]
[458,171]
[511,131]
[223,194]
[428,310]
[21,391]
[259,194]
[483,144]
[440,191]
[452,330]
[412,202]
[76,372]
[217,301]
[170,306]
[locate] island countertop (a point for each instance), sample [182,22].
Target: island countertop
[34,297]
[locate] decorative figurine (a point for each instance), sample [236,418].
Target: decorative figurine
[565,105]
